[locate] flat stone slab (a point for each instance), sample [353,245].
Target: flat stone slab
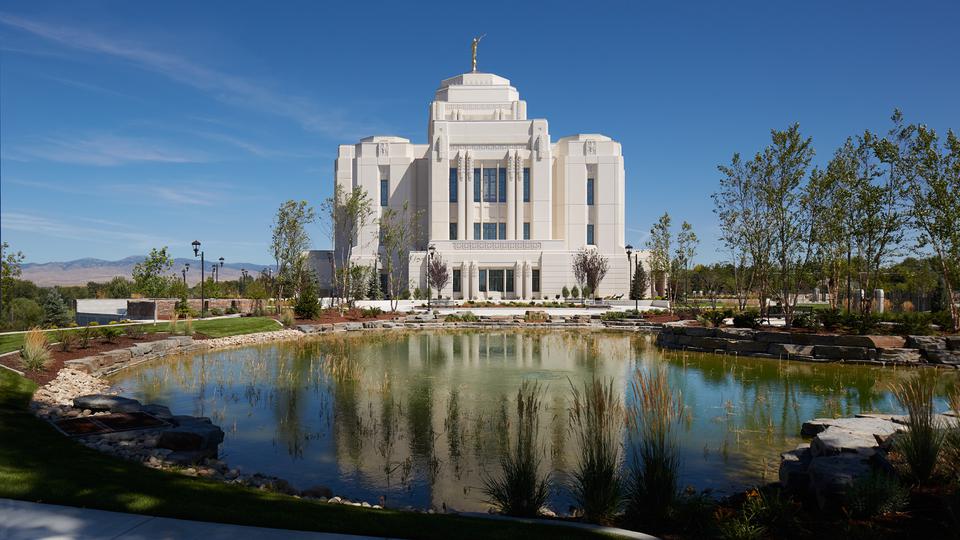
[869,424]
[102,402]
[831,476]
[835,440]
[941,356]
[843,353]
[927,342]
[789,349]
[901,355]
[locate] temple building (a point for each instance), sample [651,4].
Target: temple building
[504,205]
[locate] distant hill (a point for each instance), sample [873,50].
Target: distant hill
[81,271]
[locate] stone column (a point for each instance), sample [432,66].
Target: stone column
[464,280]
[462,195]
[468,200]
[528,280]
[517,272]
[878,299]
[518,193]
[511,197]
[474,280]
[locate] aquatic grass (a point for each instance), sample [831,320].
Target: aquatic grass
[174,317]
[520,489]
[35,353]
[652,420]
[188,326]
[596,421]
[951,447]
[875,495]
[921,444]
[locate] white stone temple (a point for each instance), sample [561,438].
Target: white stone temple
[504,205]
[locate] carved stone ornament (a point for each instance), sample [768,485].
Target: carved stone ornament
[590,148]
[383,149]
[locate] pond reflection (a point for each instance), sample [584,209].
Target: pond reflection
[418,417]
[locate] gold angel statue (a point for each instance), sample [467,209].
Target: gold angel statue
[476,41]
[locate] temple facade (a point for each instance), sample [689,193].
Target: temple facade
[504,205]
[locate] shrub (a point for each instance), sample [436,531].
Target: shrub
[715,317]
[110,334]
[35,353]
[67,340]
[909,323]
[613,315]
[232,310]
[652,421]
[55,310]
[370,312]
[831,319]
[535,317]
[565,292]
[747,319]
[907,306]
[805,319]
[417,294]
[596,421]
[574,293]
[876,495]
[286,318]
[405,294]
[951,447]
[24,312]
[85,335]
[188,326]
[920,445]
[763,514]
[520,489]
[216,312]
[135,331]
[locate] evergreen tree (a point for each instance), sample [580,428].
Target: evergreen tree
[308,302]
[55,310]
[374,292]
[638,288]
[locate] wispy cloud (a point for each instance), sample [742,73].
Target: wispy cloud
[151,193]
[89,87]
[33,223]
[221,85]
[102,149]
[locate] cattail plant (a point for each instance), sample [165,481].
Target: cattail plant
[35,353]
[652,422]
[596,422]
[920,446]
[520,489]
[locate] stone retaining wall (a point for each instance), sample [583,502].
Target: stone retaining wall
[912,350]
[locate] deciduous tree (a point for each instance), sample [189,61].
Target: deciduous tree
[150,276]
[290,240]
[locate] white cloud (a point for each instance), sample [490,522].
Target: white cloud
[36,224]
[102,149]
[223,86]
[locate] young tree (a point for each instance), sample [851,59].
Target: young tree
[830,203]
[686,249]
[374,292]
[399,232]
[659,246]
[344,215]
[933,181]
[10,271]
[437,273]
[589,269]
[118,287]
[784,170]
[55,310]
[639,283]
[307,305]
[150,276]
[290,240]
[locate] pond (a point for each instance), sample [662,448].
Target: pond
[418,418]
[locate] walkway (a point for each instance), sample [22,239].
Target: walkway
[20,520]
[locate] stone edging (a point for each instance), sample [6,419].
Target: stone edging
[880,350]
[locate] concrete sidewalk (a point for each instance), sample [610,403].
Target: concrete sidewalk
[21,520]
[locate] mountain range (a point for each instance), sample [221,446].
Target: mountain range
[81,271]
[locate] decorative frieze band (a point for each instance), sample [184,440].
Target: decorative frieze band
[496,244]
[489,146]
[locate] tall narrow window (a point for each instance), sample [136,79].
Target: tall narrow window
[526,184]
[590,239]
[496,280]
[535,280]
[502,231]
[456,281]
[590,191]
[489,185]
[509,280]
[453,230]
[453,185]
[476,185]
[502,184]
[526,230]
[482,281]
[384,192]
[476,231]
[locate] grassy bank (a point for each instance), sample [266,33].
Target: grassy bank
[38,464]
[215,328]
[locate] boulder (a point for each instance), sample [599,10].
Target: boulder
[835,440]
[102,402]
[182,341]
[793,469]
[141,349]
[747,347]
[160,411]
[193,434]
[736,333]
[831,476]
[899,355]
[815,339]
[789,349]
[927,342]
[700,331]
[111,358]
[837,352]
[870,341]
[939,356]
[953,343]
[708,343]
[773,337]
[87,364]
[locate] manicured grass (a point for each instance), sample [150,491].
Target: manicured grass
[39,464]
[233,326]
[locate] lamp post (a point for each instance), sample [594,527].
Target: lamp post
[197,252]
[430,252]
[184,270]
[243,281]
[633,273]
[217,272]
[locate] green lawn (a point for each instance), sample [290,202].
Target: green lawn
[39,464]
[214,328]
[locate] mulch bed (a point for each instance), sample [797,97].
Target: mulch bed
[97,346]
[330,316]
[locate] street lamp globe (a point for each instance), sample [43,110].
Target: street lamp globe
[196,247]
[221,262]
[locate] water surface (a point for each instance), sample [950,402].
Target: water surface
[418,418]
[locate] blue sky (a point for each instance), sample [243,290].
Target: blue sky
[128,125]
